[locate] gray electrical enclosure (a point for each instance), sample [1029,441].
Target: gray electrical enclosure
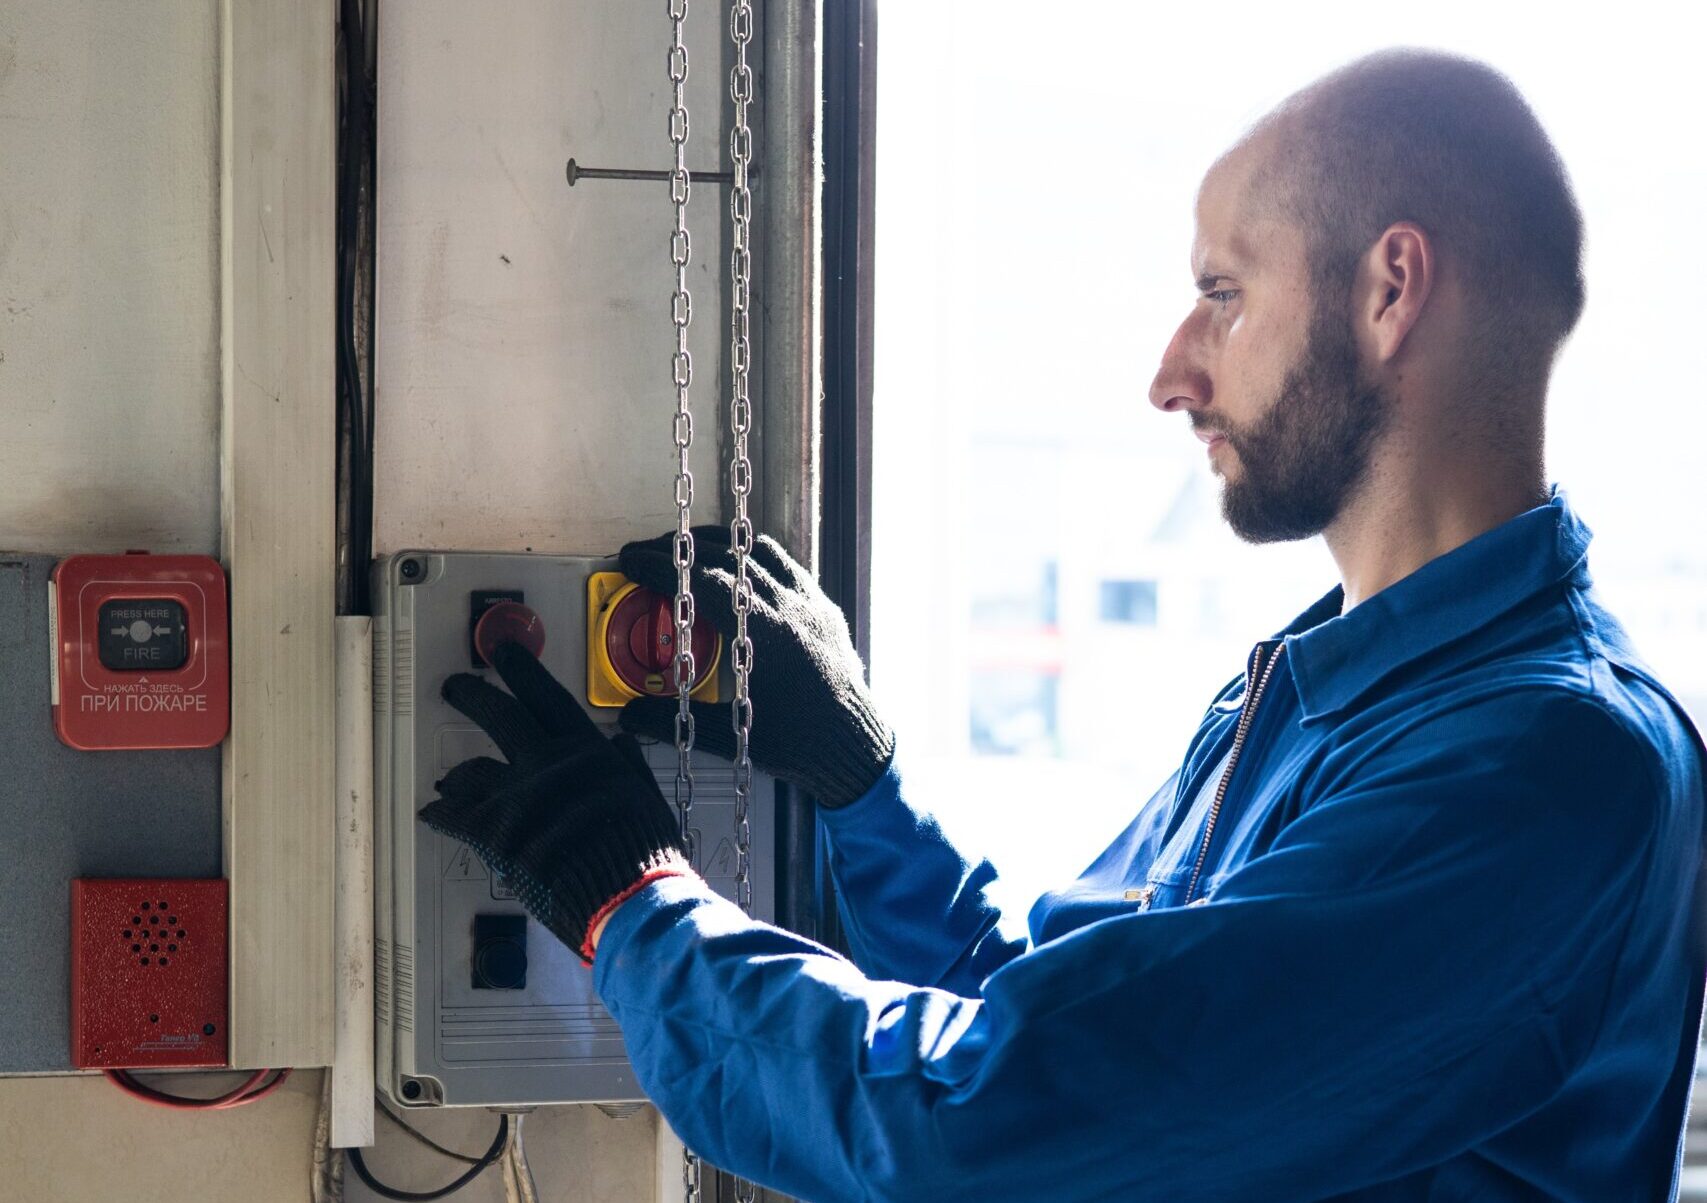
[477,1004]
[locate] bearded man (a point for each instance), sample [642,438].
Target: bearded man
[1419,917]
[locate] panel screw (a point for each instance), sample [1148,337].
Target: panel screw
[411,1090]
[409,569]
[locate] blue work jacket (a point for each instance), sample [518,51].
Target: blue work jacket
[1443,940]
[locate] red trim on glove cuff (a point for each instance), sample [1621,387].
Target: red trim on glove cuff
[678,869]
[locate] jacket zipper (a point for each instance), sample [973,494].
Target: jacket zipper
[1254,686]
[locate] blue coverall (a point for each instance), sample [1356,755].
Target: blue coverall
[1446,943]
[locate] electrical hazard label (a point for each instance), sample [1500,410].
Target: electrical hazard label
[463,865]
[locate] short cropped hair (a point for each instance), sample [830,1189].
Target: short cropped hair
[1449,143]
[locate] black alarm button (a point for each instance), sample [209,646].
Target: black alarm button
[143,634]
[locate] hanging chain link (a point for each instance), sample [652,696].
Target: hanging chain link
[681,375]
[740,423]
[740,467]
[740,470]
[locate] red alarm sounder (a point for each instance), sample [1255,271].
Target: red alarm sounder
[147,973]
[140,652]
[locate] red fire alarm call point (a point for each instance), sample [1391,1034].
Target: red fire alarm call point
[140,652]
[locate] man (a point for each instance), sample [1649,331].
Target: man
[1419,916]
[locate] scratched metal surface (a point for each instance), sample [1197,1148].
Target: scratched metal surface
[65,814]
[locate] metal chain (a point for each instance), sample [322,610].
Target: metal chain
[740,423]
[740,467]
[681,375]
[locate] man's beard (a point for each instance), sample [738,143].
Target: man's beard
[1304,457]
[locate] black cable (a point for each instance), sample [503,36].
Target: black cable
[342,319]
[349,219]
[370,64]
[409,1196]
[366,247]
[422,1137]
[356,159]
[346,382]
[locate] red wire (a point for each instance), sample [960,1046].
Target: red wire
[264,1091]
[251,1090]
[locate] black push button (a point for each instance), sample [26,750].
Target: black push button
[500,952]
[141,634]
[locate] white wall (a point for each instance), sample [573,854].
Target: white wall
[109,282]
[523,326]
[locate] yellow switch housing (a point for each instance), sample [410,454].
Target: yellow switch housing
[605,686]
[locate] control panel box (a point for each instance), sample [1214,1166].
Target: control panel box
[140,652]
[148,973]
[477,1004]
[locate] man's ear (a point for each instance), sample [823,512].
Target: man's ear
[1399,275]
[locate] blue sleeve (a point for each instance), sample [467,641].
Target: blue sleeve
[913,908]
[1419,961]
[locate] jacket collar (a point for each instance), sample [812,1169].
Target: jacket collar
[1337,658]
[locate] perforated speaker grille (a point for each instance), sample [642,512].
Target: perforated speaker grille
[148,983]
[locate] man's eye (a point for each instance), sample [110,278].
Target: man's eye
[1222,296]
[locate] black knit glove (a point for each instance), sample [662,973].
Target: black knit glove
[813,721]
[573,821]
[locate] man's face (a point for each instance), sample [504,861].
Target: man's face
[1268,373]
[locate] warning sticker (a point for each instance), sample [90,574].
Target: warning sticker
[464,865]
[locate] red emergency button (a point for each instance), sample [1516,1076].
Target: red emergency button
[508,622]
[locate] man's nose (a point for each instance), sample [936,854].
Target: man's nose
[1181,382]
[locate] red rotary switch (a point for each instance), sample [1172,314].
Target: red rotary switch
[640,640]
